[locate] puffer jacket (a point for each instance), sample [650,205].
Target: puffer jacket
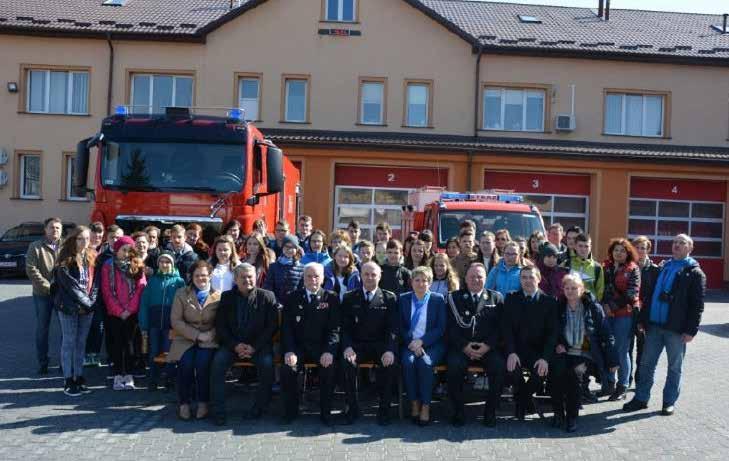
[117,294]
[322,258]
[283,278]
[504,280]
[156,304]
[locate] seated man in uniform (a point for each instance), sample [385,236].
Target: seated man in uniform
[473,336]
[369,334]
[309,334]
[530,330]
[245,324]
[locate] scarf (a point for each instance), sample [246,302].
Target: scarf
[574,329]
[202,295]
[418,312]
[664,284]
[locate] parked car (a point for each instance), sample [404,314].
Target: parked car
[14,245]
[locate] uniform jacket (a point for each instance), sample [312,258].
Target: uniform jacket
[157,298]
[597,329]
[39,262]
[395,279]
[373,322]
[117,295]
[469,322]
[189,319]
[261,319]
[435,326]
[74,294]
[311,325]
[530,327]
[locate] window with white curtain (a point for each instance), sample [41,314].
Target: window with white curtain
[510,109]
[30,176]
[58,92]
[634,114]
[340,10]
[417,105]
[249,94]
[153,93]
[372,104]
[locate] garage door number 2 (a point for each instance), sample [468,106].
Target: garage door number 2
[390,177]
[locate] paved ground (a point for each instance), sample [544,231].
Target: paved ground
[38,422]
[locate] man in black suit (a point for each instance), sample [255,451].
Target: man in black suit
[245,323]
[530,335]
[473,336]
[369,334]
[310,334]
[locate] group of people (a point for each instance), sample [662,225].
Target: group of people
[537,313]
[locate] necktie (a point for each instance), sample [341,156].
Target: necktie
[474,298]
[368,296]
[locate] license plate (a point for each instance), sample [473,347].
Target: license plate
[8,264]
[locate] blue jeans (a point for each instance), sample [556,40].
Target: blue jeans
[159,341]
[75,329]
[417,372]
[656,339]
[43,314]
[622,328]
[193,369]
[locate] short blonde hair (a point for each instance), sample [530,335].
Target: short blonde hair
[574,278]
[423,271]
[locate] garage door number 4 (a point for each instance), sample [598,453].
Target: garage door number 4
[674,190]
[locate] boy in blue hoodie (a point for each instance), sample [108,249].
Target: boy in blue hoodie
[154,312]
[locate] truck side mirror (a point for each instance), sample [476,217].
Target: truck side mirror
[274,170]
[81,167]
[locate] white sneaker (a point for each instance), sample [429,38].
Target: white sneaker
[118,383]
[129,382]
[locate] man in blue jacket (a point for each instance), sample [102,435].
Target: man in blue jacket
[670,321]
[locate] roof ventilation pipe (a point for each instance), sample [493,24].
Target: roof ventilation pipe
[607,10]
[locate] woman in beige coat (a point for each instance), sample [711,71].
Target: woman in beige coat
[193,322]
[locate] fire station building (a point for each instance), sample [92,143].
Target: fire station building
[616,121]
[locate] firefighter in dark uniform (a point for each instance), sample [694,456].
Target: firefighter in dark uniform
[310,334]
[473,337]
[369,334]
[530,330]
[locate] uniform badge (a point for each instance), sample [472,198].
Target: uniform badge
[356,319]
[301,307]
[468,313]
[298,318]
[465,296]
[323,306]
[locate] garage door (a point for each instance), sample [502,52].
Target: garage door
[561,198]
[373,194]
[662,208]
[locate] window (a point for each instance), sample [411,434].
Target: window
[372,101]
[340,10]
[152,93]
[418,103]
[662,220]
[631,114]
[57,92]
[296,100]
[70,167]
[568,210]
[249,95]
[29,176]
[369,206]
[510,109]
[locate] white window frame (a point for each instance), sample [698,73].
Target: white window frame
[21,174]
[381,119]
[525,92]
[241,99]
[427,104]
[690,220]
[47,92]
[554,216]
[371,206]
[70,159]
[288,80]
[340,11]
[623,115]
[150,105]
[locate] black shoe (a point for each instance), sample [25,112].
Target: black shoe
[619,394]
[458,419]
[635,405]
[255,412]
[571,424]
[423,422]
[351,416]
[667,410]
[220,420]
[607,389]
[519,412]
[152,386]
[289,418]
[489,418]
[558,420]
[588,397]
[383,417]
[70,388]
[81,386]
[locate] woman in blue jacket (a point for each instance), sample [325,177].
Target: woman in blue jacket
[504,277]
[154,313]
[341,274]
[422,323]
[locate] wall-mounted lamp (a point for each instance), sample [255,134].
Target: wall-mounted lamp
[12,87]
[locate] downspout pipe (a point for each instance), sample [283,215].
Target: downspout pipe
[111,74]
[476,99]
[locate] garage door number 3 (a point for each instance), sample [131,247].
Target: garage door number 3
[535,184]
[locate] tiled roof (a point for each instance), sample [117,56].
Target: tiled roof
[627,33]
[521,146]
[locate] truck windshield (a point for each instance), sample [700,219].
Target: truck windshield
[173,166]
[518,224]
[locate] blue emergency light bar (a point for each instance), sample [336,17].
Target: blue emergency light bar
[122,111]
[466,197]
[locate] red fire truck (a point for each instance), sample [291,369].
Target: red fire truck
[442,212]
[178,167]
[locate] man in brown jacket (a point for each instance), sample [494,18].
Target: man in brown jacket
[39,262]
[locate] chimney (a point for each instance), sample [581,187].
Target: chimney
[600,8]
[724,31]
[607,10]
